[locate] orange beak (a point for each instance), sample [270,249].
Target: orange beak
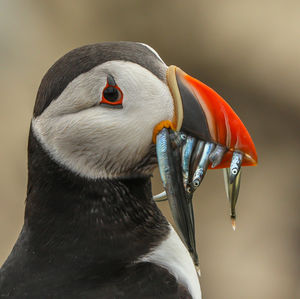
[202,113]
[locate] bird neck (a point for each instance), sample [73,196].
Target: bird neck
[100,221]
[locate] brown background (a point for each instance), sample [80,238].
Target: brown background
[246,50]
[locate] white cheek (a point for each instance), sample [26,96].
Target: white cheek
[99,141]
[82,93]
[147,100]
[88,144]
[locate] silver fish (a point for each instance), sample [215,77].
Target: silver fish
[217,155]
[203,165]
[179,138]
[235,165]
[187,151]
[196,156]
[160,197]
[169,161]
[232,192]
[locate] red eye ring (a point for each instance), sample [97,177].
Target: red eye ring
[112,95]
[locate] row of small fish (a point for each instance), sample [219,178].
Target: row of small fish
[196,156]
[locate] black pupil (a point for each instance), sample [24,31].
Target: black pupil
[111,94]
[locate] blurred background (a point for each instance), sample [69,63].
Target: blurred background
[248,51]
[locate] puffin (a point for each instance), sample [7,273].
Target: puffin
[91,227]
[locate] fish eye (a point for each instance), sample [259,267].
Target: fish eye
[112,95]
[183,136]
[234,171]
[196,183]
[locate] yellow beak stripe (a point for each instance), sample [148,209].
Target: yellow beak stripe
[163,124]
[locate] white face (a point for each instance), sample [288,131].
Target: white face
[97,141]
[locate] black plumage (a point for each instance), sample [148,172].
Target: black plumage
[81,237]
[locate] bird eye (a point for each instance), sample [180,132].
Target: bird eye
[112,95]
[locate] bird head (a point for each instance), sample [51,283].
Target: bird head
[101,108]
[97,106]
